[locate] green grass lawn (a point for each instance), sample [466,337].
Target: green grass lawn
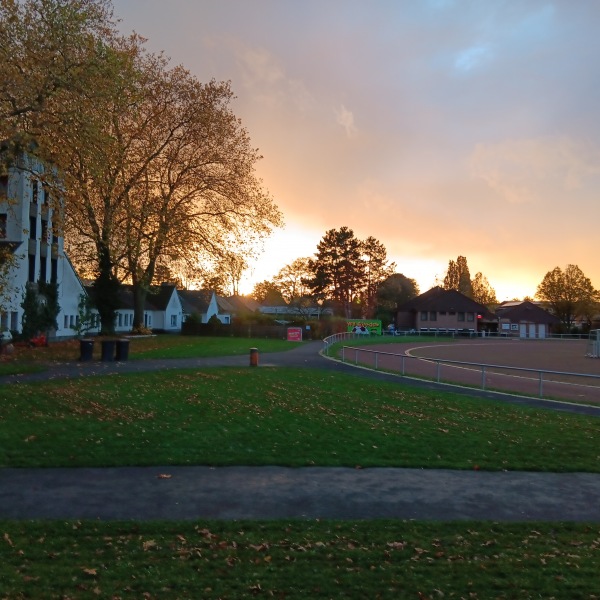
[282,416]
[30,360]
[298,560]
[184,346]
[243,416]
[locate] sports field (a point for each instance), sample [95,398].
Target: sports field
[524,366]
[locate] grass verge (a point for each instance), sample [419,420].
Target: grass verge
[31,360]
[266,416]
[298,559]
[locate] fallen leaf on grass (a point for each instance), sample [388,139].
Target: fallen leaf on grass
[148,545]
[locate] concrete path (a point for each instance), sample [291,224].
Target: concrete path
[146,493]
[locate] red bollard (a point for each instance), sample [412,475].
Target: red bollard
[254,357]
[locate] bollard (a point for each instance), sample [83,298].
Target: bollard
[254,357]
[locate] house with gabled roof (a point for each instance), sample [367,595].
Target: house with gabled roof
[202,303]
[444,311]
[525,319]
[162,309]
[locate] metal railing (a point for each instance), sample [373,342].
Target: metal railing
[482,376]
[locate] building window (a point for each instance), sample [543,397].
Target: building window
[31,273]
[3,221]
[54,270]
[470,317]
[433,316]
[120,320]
[460,316]
[46,192]
[66,324]
[71,321]
[424,314]
[35,191]
[442,312]
[173,320]
[32,228]
[43,269]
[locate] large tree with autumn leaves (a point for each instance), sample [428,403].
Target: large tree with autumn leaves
[152,165]
[568,293]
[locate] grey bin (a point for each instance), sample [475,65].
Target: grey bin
[86,350]
[122,350]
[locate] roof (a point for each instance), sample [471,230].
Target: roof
[195,301]
[526,311]
[224,305]
[154,301]
[438,299]
[162,298]
[243,304]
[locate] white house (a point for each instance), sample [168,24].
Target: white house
[28,231]
[202,303]
[162,309]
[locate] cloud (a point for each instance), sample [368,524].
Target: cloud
[259,67]
[469,59]
[528,170]
[345,118]
[265,75]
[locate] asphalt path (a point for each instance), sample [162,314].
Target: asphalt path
[235,493]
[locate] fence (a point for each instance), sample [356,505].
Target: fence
[534,382]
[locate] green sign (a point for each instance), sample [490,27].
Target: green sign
[364,326]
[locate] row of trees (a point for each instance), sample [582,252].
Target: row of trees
[356,277]
[152,166]
[352,275]
[568,293]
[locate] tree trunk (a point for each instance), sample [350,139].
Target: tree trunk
[106,287]
[141,284]
[139,301]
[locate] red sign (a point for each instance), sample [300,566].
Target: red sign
[294,334]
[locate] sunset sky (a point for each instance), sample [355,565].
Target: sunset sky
[439,127]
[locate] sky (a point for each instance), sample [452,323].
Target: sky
[439,127]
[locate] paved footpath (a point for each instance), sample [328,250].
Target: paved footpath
[146,493]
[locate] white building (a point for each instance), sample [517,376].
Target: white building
[27,230]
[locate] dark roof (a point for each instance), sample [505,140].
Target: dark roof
[224,305]
[154,301]
[161,299]
[526,311]
[438,299]
[195,301]
[243,303]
